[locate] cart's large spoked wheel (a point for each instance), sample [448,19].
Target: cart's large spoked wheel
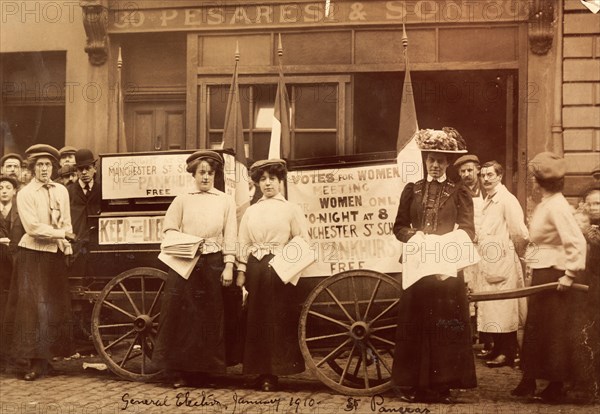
[347,340]
[125,322]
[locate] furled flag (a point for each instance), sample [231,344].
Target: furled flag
[117,118]
[236,171]
[410,164]
[279,146]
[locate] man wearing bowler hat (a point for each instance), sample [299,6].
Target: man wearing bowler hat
[85,196]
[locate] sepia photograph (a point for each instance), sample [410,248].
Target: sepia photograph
[299,206]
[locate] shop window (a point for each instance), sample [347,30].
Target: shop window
[314,118]
[33,100]
[474,102]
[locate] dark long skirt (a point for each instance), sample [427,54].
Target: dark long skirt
[38,319]
[191,327]
[272,328]
[433,340]
[550,351]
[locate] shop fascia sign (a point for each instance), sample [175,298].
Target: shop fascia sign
[217,16]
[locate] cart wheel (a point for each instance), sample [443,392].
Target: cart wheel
[125,322]
[348,341]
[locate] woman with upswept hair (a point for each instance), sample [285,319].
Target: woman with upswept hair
[271,347]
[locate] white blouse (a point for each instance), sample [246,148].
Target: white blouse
[208,214]
[267,226]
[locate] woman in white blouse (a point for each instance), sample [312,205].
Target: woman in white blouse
[190,339]
[556,254]
[271,346]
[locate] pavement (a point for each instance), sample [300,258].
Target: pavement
[72,390]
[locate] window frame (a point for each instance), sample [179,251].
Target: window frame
[341,81]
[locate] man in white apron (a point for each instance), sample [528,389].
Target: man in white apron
[502,233]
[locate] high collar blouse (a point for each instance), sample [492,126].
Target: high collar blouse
[267,226]
[208,214]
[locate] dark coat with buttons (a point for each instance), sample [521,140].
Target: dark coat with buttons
[433,338]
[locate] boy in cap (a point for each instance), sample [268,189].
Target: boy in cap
[67,155]
[11,165]
[43,207]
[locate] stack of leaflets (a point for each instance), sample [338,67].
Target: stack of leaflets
[294,258]
[181,245]
[179,252]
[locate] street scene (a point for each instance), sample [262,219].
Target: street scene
[307,206]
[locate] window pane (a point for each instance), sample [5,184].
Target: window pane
[314,145]
[217,95]
[260,145]
[377,111]
[316,105]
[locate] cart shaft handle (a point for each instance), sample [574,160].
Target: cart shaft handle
[519,293]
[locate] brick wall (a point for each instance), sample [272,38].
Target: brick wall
[581,95]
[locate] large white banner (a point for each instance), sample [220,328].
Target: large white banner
[351,215]
[145,176]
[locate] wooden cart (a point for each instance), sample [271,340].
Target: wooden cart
[348,320]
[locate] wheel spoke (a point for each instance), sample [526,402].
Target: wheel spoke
[383,340]
[356,307]
[386,310]
[158,292]
[317,338]
[154,317]
[327,318]
[332,353]
[143,292]
[379,358]
[118,340]
[347,364]
[381,328]
[126,357]
[143,342]
[340,305]
[118,309]
[135,308]
[364,355]
[358,364]
[115,325]
[372,298]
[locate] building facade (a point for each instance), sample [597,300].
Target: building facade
[514,77]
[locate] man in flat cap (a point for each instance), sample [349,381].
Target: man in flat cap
[44,211]
[468,168]
[67,155]
[85,199]
[11,166]
[67,175]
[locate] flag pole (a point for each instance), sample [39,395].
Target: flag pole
[121,139]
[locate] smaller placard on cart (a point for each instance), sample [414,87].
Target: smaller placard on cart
[130,230]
